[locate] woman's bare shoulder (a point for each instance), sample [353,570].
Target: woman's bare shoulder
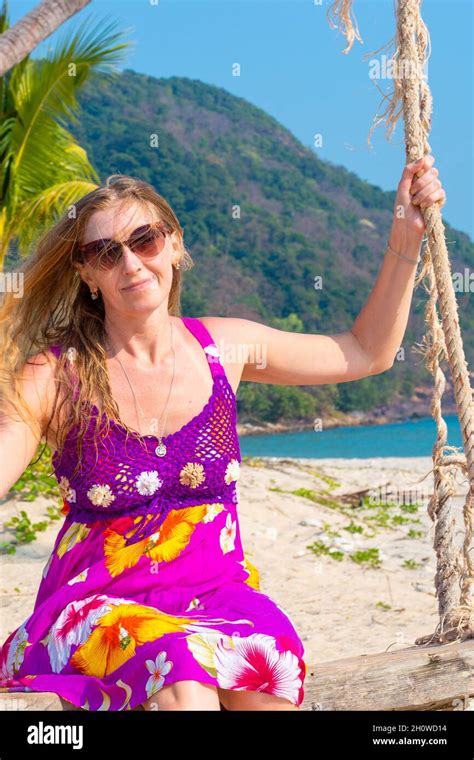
[225,328]
[237,333]
[39,371]
[35,385]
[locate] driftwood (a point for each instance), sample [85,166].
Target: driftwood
[439,677]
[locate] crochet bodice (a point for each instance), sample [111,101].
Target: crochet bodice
[201,464]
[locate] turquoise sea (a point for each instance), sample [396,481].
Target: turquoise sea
[411,438]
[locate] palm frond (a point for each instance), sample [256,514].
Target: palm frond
[42,167]
[50,85]
[47,208]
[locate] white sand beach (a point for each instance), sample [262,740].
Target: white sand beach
[339,607]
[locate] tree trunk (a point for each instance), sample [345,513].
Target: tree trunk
[18,41]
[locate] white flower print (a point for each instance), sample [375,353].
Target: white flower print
[79,578]
[158,670]
[212,511]
[67,493]
[148,482]
[16,652]
[227,535]
[195,604]
[232,471]
[100,495]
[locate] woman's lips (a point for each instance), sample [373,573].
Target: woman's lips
[139,286]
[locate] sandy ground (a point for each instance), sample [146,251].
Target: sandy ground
[340,608]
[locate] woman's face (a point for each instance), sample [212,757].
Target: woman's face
[130,268]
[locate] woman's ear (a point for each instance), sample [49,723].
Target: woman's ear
[82,272]
[175,239]
[79,270]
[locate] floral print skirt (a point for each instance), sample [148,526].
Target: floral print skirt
[113,623]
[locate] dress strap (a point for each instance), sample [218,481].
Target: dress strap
[202,334]
[56,350]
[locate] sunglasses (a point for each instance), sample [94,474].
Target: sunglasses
[146,241]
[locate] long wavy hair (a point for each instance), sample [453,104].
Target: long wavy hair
[56,308]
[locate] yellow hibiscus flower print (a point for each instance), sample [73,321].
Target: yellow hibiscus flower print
[254,576]
[117,635]
[163,546]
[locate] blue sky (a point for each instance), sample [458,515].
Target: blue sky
[292,66]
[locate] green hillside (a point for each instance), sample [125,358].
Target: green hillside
[300,217]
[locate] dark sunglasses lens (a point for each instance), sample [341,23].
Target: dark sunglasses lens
[148,241]
[102,255]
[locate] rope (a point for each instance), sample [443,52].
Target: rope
[412,97]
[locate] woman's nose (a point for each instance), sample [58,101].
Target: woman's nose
[129,259]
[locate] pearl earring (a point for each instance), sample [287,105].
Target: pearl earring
[94,294]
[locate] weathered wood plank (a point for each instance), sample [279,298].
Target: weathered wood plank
[437,677]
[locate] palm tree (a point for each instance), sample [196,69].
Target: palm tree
[43,170]
[35,26]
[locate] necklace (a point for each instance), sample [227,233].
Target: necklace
[160,450]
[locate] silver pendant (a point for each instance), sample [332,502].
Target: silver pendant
[160,450]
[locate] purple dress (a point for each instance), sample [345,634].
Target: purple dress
[147,582]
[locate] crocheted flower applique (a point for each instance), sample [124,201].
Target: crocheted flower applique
[192,475]
[100,495]
[148,482]
[67,493]
[232,471]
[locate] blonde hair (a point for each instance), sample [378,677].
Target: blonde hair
[56,308]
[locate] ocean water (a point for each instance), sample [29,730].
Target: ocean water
[410,438]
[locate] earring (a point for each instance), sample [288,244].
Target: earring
[94,294]
[176,266]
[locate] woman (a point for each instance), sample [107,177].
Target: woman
[147,598]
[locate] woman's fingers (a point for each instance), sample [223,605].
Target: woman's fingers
[428,191]
[427,188]
[422,165]
[421,182]
[410,172]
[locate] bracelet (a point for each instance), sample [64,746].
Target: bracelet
[401,256]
